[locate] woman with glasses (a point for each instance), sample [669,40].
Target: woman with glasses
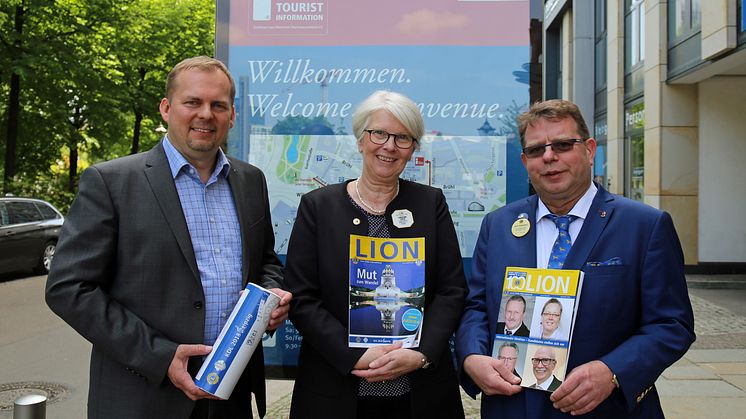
[336,380]
[549,328]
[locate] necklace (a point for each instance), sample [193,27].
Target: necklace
[368,206]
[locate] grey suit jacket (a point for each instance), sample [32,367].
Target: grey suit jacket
[126,278]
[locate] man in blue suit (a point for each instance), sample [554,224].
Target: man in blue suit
[634,317]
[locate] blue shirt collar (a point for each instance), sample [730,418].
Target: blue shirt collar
[177,162]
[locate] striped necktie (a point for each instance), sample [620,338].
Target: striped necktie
[562,245]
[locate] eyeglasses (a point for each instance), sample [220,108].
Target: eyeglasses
[380,137]
[561,146]
[544,361]
[555,315]
[509,358]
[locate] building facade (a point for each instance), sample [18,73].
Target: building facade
[663,87]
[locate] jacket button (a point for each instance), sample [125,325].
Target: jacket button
[198,305]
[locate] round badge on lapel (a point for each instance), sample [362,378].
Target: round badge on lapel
[521,226]
[402,218]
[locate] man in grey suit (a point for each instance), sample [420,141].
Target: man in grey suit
[153,255]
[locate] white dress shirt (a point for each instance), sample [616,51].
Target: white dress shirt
[546,230]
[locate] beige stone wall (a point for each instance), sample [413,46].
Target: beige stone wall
[671,136]
[718,27]
[722,147]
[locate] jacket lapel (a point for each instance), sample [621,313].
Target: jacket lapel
[243,205]
[594,224]
[158,173]
[525,247]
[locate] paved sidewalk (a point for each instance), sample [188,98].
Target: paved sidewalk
[39,350]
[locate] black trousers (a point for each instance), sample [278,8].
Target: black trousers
[376,407]
[218,409]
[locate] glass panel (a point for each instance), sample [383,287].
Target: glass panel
[682,17]
[22,212]
[560,64]
[641,38]
[47,212]
[696,14]
[634,118]
[600,47]
[634,38]
[600,132]
[600,18]
[634,35]
[600,64]
[3,215]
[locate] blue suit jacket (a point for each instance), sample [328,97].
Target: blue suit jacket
[635,316]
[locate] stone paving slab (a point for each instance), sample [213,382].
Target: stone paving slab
[682,362]
[716,355]
[689,373]
[697,388]
[703,408]
[737,380]
[727,368]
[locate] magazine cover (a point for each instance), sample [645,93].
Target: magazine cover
[387,291]
[535,324]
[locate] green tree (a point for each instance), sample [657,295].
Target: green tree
[153,36]
[81,79]
[45,53]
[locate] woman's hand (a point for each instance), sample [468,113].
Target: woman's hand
[391,365]
[374,353]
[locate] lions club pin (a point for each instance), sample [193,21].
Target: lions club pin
[521,226]
[402,218]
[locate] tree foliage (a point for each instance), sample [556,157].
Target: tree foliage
[81,80]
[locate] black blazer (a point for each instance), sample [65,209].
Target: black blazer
[522,331]
[317,275]
[126,278]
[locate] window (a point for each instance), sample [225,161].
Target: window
[684,35]
[600,133]
[634,132]
[46,211]
[553,64]
[634,34]
[22,212]
[741,23]
[600,56]
[634,47]
[685,17]
[3,215]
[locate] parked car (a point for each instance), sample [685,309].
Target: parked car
[29,229]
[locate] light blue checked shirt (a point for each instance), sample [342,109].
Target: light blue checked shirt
[216,235]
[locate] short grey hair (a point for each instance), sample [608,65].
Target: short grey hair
[509,345]
[402,107]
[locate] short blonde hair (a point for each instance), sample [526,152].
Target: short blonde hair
[203,63]
[402,107]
